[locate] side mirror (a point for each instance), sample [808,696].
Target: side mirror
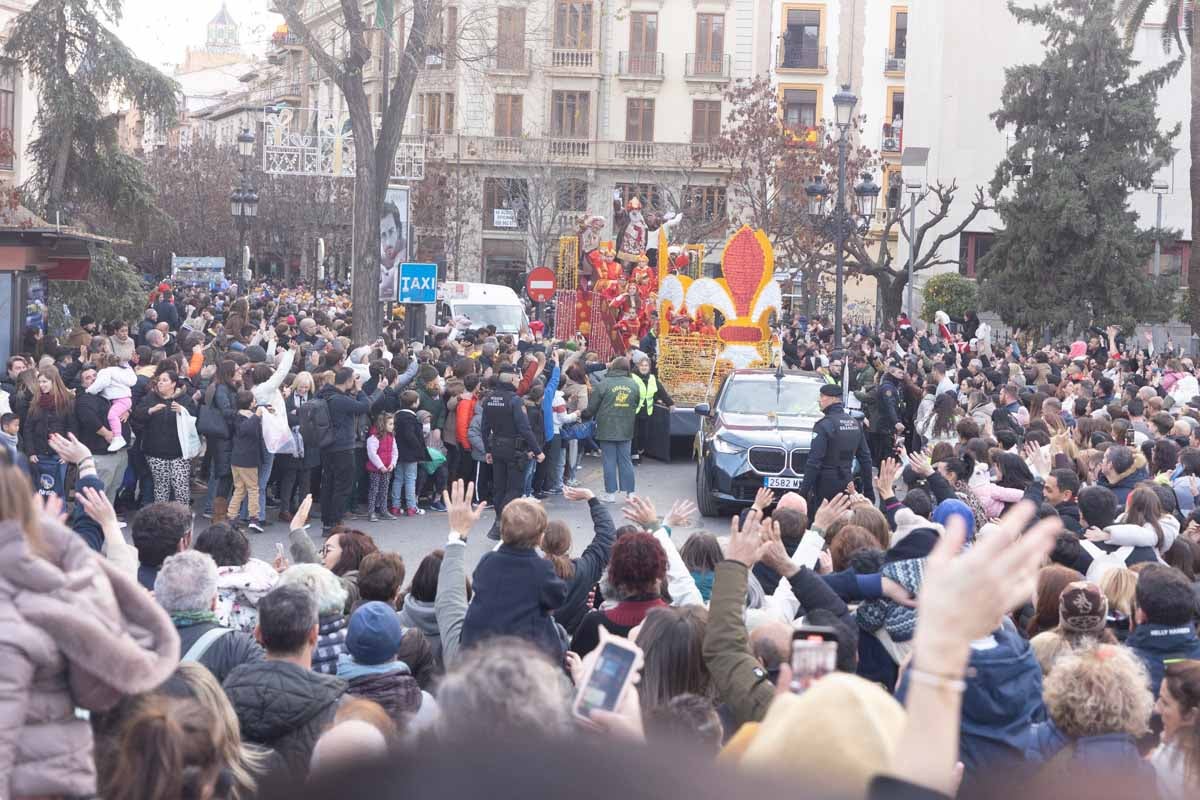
[703,410]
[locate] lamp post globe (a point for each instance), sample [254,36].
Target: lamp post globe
[843,107]
[867,194]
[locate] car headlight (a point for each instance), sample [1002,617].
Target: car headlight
[725,447]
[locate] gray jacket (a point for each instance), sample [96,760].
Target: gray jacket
[475,433]
[450,606]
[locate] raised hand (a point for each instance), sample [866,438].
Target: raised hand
[746,545]
[463,514]
[640,511]
[680,514]
[578,493]
[763,498]
[830,511]
[300,518]
[96,505]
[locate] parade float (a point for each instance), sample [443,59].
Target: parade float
[706,326]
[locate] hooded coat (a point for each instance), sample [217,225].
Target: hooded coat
[74,632]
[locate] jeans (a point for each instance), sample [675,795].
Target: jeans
[404,485]
[572,458]
[337,482]
[618,463]
[555,455]
[530,469]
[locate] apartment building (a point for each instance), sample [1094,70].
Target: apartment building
[958,78]
[574,99]
[18,107]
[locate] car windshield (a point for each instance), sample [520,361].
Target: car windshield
[505,318]
[789,398]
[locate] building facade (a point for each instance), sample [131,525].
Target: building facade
[18,107]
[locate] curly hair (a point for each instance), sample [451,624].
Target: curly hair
[1099,691]
[638,563]
[227,545]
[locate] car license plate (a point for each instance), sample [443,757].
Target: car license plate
[781,483]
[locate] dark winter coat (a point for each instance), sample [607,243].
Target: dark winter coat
[225,654]
[396,690]
[160,431]
[1157,644]
[91,414]
[285,708]
[344,409]
[331,643]
[37,426]
[248,442]
[515,592]
[410,438]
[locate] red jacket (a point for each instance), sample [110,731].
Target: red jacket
[462,418]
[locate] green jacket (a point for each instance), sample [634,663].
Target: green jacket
[434,405]
[613,404]
[740,680]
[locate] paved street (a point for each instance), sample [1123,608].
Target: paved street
[414,538]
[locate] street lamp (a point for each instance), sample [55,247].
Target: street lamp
[1160,188]
[837,221]
[243,201]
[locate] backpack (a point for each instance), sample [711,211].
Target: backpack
[316,425]
[1103,561]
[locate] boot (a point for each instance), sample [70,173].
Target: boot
[220,510]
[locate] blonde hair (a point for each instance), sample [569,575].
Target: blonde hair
[1099,691]
[244,762]
[1120,587]
[305,380]
[523,523]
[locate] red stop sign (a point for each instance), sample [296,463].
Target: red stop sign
[540,284]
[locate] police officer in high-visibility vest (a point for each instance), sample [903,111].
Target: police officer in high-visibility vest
[510,441]
[838,441]
[650,392]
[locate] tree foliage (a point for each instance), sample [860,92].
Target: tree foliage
[81,67]
[949,292]
[113,291]
[1087,133]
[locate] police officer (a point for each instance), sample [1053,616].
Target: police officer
[838,440]
[510,441]
[885,423]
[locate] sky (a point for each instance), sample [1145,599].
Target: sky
[158,30]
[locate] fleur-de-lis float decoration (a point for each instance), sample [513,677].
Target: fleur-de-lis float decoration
[745,296]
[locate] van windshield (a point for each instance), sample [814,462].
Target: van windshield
[505,318]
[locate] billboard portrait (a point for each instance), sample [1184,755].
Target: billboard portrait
[393,242]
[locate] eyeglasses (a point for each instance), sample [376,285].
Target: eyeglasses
[326,549]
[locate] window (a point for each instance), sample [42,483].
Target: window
[893,125]
[900,37]
[508,116]
[1174,265]
[648,193]
[8,96]
[896,106]
[802,39]
[505,204]
[439,53]
[572,195]
[710,43]
[799,109]
[639,119]
[569,115]
[706,121]
[706,203]
[972,247]
[573,25]
[437,112]
[510,39]
[643,43]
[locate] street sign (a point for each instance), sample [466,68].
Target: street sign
[418,283]
[540,284]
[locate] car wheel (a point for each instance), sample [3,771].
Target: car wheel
[706,500]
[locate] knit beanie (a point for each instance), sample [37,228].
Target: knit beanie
[374,633]
[835,737]
[949,508]
[1082,608]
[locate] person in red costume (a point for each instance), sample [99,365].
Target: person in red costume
[644,278]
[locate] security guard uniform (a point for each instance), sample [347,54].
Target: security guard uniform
[838,440]
[509,439]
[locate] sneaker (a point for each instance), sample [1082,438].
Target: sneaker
[396,512]
[415,512]
[207,515]
[608,497]
[387,515]
[439,507]
[373,517]
[254,526]
[118,443]
[556,490]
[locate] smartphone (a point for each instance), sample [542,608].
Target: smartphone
[279,550]
[1130,433]
[607,681]
[814,655]
[902,457]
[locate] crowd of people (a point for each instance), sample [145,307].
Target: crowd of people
[1007,596]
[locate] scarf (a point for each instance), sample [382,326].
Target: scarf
[10,440]
[46,402]
[704,583]
[972,500]
[186,619]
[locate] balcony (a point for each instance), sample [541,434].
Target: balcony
[794,58]
[575,152]
[570,149]
[894,62]
[708,67]
[892,140]
[315,74]
[640,66]
[574,62]
[510,61]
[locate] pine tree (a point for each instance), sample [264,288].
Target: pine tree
[80,67]
[1084,134]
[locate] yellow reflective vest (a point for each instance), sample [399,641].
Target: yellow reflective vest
[648,389]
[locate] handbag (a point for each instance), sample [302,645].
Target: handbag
[212,423]
[189,437]
[578,430]
[277,436]
[436,459]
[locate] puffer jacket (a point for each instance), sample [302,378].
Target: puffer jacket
[331,643]
[74,632]
[226,653]
[391,685]
[285,708]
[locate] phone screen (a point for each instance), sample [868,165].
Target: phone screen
[603,688]
[814,655]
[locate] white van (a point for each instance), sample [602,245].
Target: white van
[484,304]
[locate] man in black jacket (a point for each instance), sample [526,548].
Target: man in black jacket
[91,425]
[186,588]
[281,704]
[1061,490]
[346,401]
[509,440]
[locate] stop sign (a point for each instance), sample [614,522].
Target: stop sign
[540,284]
